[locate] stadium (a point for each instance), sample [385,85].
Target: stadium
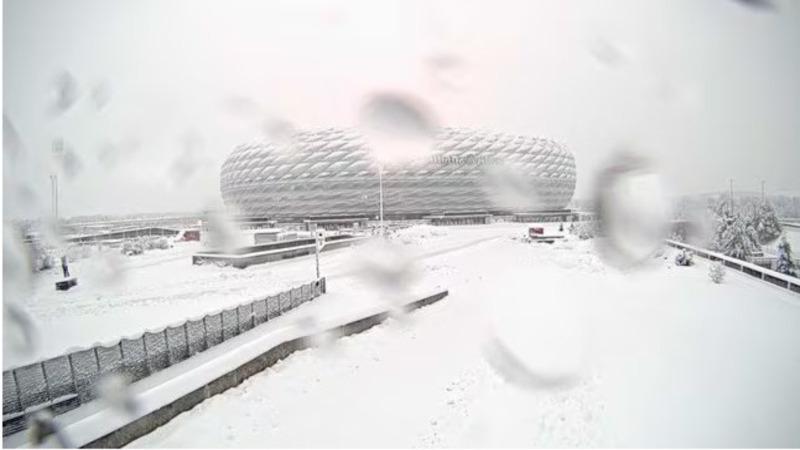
[331,173]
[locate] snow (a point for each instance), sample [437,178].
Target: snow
[119,296]
[660,356]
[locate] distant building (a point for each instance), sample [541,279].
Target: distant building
[329,173]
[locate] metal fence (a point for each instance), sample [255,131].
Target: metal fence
[770,276]
[65,382]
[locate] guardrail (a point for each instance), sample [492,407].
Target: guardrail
[770,276]
[65,382]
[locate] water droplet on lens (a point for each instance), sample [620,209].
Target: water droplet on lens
[65,92]
[42,427]
[398,128]
[632,209]
[114,389]
[279,132]
[509,189]
[101,95]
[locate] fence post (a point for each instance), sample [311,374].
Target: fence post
[46,383]
[74,380]
[97,360]
[186,338]
[122,364]
[166,345]
[146,356]
[16,386]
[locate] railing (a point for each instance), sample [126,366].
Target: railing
[771,276]
[65,382]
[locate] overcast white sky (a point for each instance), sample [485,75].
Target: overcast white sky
[710,89]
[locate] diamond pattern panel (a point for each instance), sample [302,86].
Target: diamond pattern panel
[330,172]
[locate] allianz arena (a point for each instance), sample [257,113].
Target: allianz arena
[331,173]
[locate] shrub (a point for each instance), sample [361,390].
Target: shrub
[717,272]
[584,230]
[684,258]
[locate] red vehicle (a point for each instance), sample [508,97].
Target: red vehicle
[535,231]
[191,235]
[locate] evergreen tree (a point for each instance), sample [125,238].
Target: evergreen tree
[734,234]
[765,222]
[739,240]
[785,262]
[724,218]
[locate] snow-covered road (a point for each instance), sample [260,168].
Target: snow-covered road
[658,357]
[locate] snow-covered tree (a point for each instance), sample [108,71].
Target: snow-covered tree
[785,263]
[723,218]
[716,272]
[764,220]
[734,234]
[740,239]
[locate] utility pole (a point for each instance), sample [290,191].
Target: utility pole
[762,192]
[731,196]
[380,195]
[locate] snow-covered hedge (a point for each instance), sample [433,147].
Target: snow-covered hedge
[139,245]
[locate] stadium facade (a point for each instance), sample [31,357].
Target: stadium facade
[331,173]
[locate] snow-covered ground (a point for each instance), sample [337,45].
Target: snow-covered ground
[120,296]
[657,357]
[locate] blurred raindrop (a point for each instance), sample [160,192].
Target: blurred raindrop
[101,95]
[12,144]
[20,333]
[242,106]
[509,189]
[447,70]
[114,389]
[513,370]
[762,5]
[389,269]
[279,132]
[632,209]
[20,168]
[111,153]
[607,53]
[64,93]
[222,233]
[107,269]
[17,265]
[108,155]
[536,343]
[189,160]
[398,127]
[318,337]
[43,429]
[66,158]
